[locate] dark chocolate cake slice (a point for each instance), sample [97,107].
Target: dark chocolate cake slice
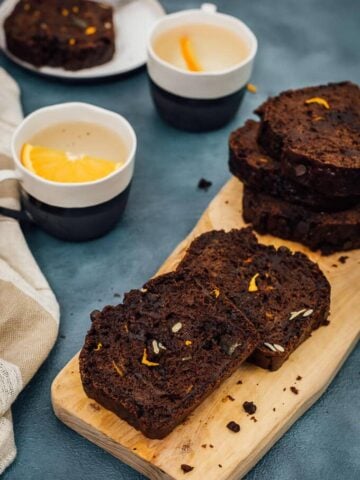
[315,132]
[154,359]
[284,294]
[61,33]
[327,231]
[249,162]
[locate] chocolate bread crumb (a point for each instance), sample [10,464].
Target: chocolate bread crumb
[239,382]
[186,468]
[343,259]
[204,445]
[233,426]
[294,390]
[274,409]
[254,419]
[220,466]
[211,446]
[298,378]
[204,184]
[249,407]
[232,399]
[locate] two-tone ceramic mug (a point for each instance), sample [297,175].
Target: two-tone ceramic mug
[73,211]
[199,101]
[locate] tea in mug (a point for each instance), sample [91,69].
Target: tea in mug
[74,152]
[201,47]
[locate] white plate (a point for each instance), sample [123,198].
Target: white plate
[132,23]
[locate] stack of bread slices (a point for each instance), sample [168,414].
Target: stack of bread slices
[301,166]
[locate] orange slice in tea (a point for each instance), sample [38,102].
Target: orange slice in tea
[189,56]
[63,167]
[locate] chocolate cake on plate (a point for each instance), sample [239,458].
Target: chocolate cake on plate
[284,294]
[155,358]
[72,34]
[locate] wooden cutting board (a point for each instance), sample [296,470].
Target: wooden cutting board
[203,441]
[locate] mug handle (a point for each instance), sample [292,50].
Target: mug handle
[208,7]
[9,212]
[9,175]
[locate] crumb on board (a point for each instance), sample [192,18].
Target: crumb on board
[294,390]
[94,406]
[298,378]
[233,426]
[249,407]
[343,259]
[274,409]
[117,295]
[204,445]
[239,382]
[284,389]
[186,468]
[211,446]
[254,419]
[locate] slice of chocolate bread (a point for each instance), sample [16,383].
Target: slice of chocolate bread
[154,359]
[328,232]
[61,33]
[249,162]
[315,132]
[284,294]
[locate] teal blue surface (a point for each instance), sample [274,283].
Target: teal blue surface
[300,43]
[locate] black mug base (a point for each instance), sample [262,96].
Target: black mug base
[195,115]
[76,224]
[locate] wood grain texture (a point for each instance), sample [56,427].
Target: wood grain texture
[203,441]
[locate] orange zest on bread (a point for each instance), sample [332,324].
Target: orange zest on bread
[60,166]
[319,100]
[189,56]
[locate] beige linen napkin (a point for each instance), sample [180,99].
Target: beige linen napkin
[29,313]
